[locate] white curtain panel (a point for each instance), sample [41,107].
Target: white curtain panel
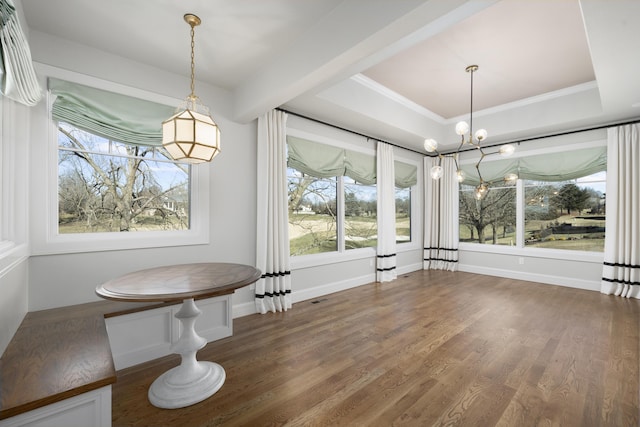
[441,216]
[18,80]
[386,249]
[621,270]
[273,290]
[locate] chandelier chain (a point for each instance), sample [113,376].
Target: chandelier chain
[471,108]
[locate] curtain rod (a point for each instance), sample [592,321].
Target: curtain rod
[514,141]
[347,130]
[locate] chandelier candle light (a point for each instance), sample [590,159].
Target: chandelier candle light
[191,135]
[465,130]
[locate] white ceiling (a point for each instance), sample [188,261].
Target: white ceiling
[392,70]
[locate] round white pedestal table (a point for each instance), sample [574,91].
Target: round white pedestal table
[192,381]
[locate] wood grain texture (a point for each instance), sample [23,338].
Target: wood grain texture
[53,361]
[179,282]
[431,348]
[59,353]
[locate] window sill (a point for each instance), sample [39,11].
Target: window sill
[316,260]
[101,242]
[591,257]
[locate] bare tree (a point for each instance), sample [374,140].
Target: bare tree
[113,191]
[495,210]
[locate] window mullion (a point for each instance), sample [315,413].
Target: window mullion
[340,207]
[520,213]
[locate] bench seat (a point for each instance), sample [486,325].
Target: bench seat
[59,353]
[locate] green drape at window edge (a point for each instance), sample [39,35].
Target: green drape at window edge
[553,167]
[326,161]
[113,116]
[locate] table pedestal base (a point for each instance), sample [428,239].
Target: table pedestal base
[169,391]
[192,381]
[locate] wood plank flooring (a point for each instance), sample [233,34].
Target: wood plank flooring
[431,348]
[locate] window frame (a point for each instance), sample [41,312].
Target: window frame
[520,249]
[45,236]
[13,183]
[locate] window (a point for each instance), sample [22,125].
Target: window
[333,198]
[566,215]
[101,178]
[406,178]
[403,215]
[491,220]
[108,186]
[360,215]
[313,213]
[562,206]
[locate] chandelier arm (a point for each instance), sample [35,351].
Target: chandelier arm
[478,167]
[461,144]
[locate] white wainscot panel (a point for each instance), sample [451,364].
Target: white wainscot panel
[214,322]
[146,335]
[91,409]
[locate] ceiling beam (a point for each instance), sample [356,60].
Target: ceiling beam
[353,36]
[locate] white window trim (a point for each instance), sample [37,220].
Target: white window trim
[520,249]
[45,238]
[13,185]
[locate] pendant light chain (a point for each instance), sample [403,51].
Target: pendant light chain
[193,62]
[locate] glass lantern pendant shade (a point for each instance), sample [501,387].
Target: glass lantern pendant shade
[191,135]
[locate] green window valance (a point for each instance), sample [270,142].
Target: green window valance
[406,174]
[326,161]
[552,167]
[111,115]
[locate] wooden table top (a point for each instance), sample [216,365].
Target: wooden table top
[179,282]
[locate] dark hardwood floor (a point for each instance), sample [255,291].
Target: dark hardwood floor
[431,348]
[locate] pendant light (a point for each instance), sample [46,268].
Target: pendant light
[191,135]
[465,130]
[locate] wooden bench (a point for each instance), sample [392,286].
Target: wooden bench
[59,353]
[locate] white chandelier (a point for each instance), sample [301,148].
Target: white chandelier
[465,130]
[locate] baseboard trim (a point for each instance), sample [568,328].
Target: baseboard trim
[318,291]
[244,309]
[248,308]
[533,277]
